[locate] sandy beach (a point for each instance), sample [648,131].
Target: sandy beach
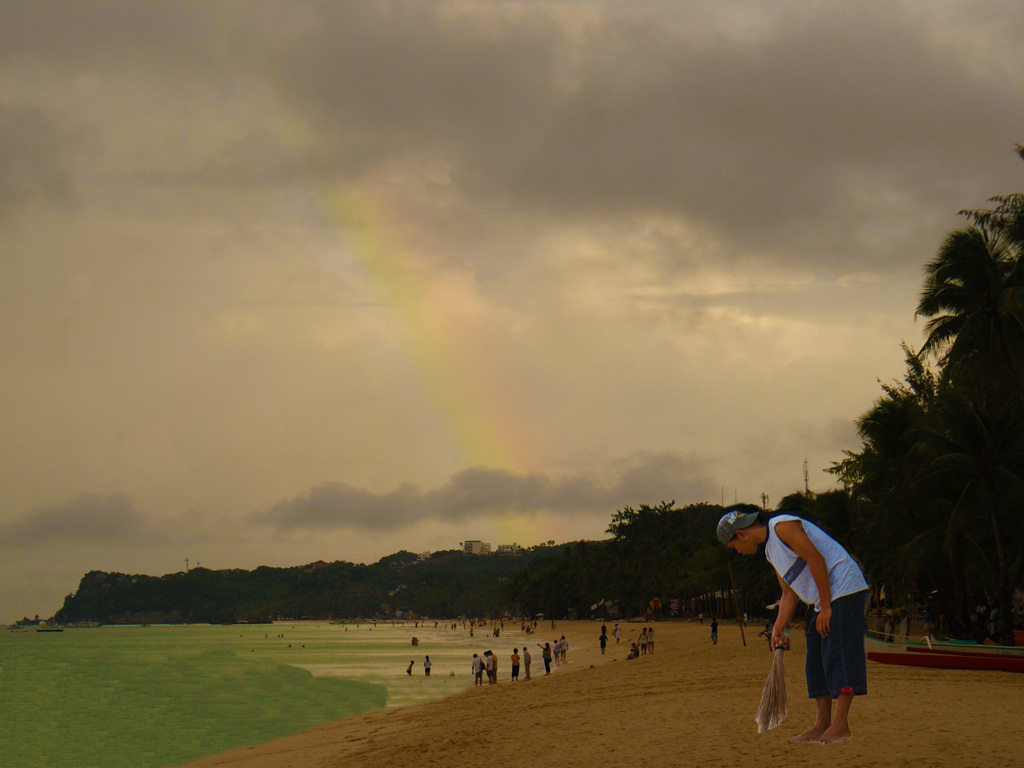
[689,703]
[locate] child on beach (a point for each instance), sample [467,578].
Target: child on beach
[813,568]
[714,630]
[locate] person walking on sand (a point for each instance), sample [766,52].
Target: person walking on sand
[426,666]
[409,670]
[714,630]
[814,568]
[563,648]
[617,633]
[650,640]
[603,640]
[643,642]
[515,664]
[526,661]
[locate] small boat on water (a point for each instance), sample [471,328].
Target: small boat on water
[945,655]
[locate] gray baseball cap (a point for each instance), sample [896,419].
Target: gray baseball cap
[740,516]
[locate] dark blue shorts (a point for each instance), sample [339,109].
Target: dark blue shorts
[837,664]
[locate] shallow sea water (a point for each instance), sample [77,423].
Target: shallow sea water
[156,696]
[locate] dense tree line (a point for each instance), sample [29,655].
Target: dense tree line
[657,554]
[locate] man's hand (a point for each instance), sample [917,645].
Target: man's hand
[779,639]
[824,621]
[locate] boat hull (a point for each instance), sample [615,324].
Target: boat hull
[946,656]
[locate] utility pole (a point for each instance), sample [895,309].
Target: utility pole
[764,501]
[807,488]
[186,565]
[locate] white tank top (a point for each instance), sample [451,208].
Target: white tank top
[844,575]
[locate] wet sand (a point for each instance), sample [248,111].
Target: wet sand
[688,704]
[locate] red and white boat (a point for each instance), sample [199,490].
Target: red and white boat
[945,655]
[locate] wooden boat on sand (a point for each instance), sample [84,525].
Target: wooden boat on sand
[945,655]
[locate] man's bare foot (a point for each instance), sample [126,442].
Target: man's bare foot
[834,735]
[811,734]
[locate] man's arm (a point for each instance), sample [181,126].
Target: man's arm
[787,605]
[792,534]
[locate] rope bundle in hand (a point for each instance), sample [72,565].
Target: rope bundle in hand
[773,709]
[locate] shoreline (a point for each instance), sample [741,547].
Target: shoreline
[688,703]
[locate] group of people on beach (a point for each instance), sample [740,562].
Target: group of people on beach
[426,665]
[489,663]
[643,645]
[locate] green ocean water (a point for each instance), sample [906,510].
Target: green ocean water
[150,697]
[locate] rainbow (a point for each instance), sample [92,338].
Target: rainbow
[458,366]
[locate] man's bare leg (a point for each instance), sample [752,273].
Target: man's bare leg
[840,728]
[822,722]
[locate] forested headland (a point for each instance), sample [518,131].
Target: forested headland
[931,503]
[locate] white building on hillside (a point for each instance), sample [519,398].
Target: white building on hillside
[477,547]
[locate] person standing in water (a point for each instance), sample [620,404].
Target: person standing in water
[815,569]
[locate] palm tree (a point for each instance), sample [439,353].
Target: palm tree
[973,298]
[985,455]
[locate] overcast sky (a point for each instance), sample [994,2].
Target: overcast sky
[289,281]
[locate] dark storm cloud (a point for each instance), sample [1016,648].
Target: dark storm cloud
[34,155]
[782,141]
[481,492]
[87,518]
[753,137]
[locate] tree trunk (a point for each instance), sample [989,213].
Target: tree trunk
[1004,627]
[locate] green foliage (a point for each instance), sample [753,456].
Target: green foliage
[656,552]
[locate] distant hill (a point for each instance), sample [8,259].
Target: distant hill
[445,585]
